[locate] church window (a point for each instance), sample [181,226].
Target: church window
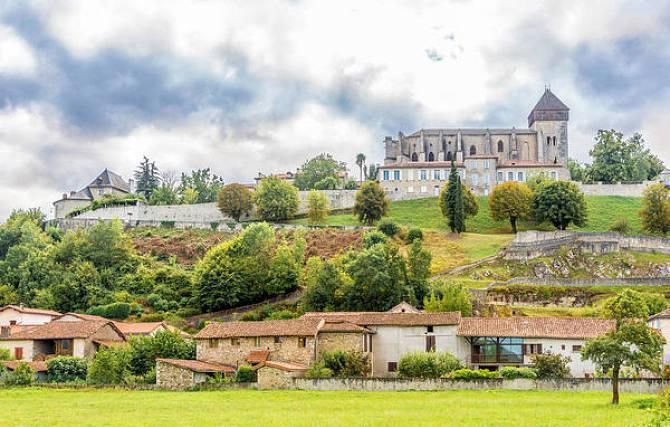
[554,141]
[431,157]
[396,175]
[448,158]
[548,140]
[555,160]
[385,175]
[501,147]
[473,150]
[415,157]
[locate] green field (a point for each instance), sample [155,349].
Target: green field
[425,213]
[50,407]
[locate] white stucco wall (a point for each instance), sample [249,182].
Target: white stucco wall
[564,347]
[663,325]
[9,315]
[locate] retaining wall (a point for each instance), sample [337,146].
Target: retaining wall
[647,386]
[616,281]
[628,189]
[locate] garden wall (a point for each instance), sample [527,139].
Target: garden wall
[630,189]
[648,386]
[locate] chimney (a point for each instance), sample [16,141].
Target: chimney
[4,331]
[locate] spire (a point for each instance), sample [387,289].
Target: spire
[549,107]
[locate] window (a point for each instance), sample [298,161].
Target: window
[279,340]
[415,157]
[576,348]
[18,353]
[448,158]
[392,366]
[510,176]
[213,342]
[548,140]
[431,157]
[12,322]
[563,347]
[65,344]
[486,164]
[430,343]
[258,342]
[487,179]
[501,147]
[429,329]
[436,174]
[554,138]
[475,179]
[423,174]
[385,176]
[553,175]
[533,348]
[520,176]
[101,192]
[473,150]
[497,350]
[501,177]
[410,189]
[302,342]
[396,175]
[445,174]
[234,341]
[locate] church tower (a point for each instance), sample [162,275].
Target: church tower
[550,119]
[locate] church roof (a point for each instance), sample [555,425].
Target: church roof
[549,102]
[110,179]
[472,131]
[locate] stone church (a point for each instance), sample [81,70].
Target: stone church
[417,165]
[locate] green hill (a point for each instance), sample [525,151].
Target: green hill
[425,213]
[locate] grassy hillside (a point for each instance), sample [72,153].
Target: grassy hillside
[425,213]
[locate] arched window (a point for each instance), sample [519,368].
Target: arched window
[415,157]
[431,157]
[448,156]
[548,140]
[501,147]
[555,160]
[554,141]
[473,150]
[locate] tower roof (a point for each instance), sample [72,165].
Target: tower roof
[111,179]
[549,107]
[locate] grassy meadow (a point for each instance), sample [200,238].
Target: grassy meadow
[108,407]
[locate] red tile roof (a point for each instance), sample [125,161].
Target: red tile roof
[139,328]
[662,315]
[268,328]
[198,365]
[284,366]
[36,366]
[63,330]
[337,326]
[372,318]
[28,310]
[535,327]
[257,356]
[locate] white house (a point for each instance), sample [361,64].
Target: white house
[11,315]
[661,322]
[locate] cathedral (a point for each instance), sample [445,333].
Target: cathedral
[417,165]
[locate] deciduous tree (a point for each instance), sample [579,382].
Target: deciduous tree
[317,206]
[276,199]
[235,200]
[511,201]
[655,211]
[371,203]
[562,203]
[317,169]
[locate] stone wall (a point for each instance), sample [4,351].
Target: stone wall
[331,341]
[646,386]
[615,281]
[224,351]
[273,378]
[172,377]
[617,189]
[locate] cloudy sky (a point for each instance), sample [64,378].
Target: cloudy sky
[248,86]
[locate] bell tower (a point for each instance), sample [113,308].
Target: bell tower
[549,118]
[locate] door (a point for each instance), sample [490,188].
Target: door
[18,353]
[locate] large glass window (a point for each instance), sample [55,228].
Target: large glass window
[497,350]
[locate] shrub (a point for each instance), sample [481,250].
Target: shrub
[66,369]
[373,237]
[346,364]
[664,399]
[5,354]
[110,366]
[620,225]
[511,373]
[549,366]
[427,365]
[165,344]
[318,371]
[22,375]
[473,374]
[388,227]
[117,310]
[413,234]
[245,374]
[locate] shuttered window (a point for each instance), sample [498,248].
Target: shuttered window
[392,366]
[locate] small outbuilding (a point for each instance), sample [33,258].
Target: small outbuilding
[273,374]
[184,374]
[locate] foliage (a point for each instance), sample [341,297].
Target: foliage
[511,201]
[245,374]
[372,172]
[655,211]
[389,228]
[316,171]
[189,196]
[421,364]
[144,350]
[317,206]
[550,366]
[561,203]
[276,199]
[235,200]
[473,374]
[373,237]
[205,185]
[449,297]
[165,194]
[418,272]
[414,234]
[284,271]
[617,160]
[620,225]
[326,279]
[346,364]
[23,374]
[147,178]
[64,369]
[110,366]
[457,202]
[117,310]
[318,371]
[371,203]
[5,354]
[511,373]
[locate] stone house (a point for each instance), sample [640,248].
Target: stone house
[60,338]
[278,375]
[107,183]
[11,315]
[183,374]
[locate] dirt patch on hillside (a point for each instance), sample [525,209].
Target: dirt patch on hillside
[186,246]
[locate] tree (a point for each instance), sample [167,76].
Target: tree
[655,211]
[235,200]
[452,201]
[360,161]
[372,172]
[317,206]
[561,203]
[616,159]
[276,199]
[164,195]
[144,350]
[324,280]
[630,343]
[511,201]
[147,178]
[206,184]
[449,297]
[317,169]
[470,204]
[189,196]
[577,170]
[371,203]
[418,271]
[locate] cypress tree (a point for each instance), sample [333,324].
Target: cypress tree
[459,208]
[452,191]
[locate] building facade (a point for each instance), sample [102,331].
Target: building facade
[418,164]
[107,183]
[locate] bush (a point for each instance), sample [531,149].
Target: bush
[551,366]
[22,375]
[373,237]
[66,369]
[318,371]
[388,227]
[413,234]
[511,373]
[346,364]
[165,344]
[473,374]
[427,365]
[5,354]
[245,374]
[110,366]
[664,399]
[117,310]
[620,225]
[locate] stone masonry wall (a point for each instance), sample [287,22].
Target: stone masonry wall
[616,189]
[331,341]
[223,350]
[172,377]
[273,378]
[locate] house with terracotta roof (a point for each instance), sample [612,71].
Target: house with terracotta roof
[128,329]
[60,338]
[183,374]
[494,342]
[19,315]
[661,322]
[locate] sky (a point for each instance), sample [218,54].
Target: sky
[245,87]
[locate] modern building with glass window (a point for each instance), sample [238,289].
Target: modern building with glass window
[417,165]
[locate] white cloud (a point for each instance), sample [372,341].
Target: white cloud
[16,56]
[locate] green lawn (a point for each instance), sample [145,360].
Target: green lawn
[425,213]
[49,407]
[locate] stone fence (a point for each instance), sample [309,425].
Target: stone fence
[559,281]
[532,244]
[646,386]
[628,189]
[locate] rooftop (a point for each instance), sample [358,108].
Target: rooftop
[62,330]
[284,366]
[28,310]
[534,327]
[267,328]
[372,318]
[198,365]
